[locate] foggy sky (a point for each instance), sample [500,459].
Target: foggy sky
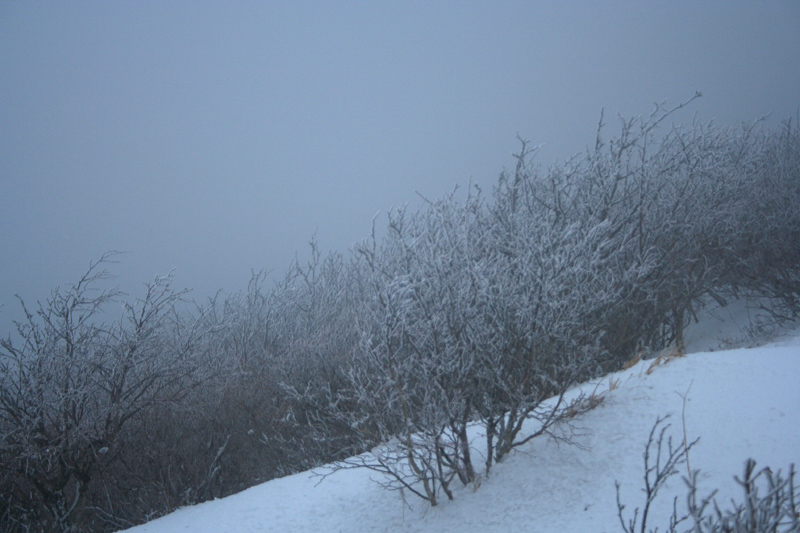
[215,138]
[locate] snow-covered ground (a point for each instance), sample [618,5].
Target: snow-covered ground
[741,403]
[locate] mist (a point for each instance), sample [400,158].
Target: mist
[211,139]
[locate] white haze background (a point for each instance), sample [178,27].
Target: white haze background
[214,138]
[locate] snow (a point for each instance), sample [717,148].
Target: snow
[741,403]
[742,323]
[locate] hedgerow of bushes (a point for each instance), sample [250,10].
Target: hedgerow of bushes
[474,308]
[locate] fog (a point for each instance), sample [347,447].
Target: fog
[210,139]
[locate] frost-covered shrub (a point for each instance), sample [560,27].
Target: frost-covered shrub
[72,386]
[472,309]
[478,309]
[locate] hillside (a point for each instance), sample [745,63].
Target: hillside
[740,403]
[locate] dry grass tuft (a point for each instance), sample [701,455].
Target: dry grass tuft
[666,355]
[583,404]
[633,362]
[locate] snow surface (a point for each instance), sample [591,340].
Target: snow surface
[741,403]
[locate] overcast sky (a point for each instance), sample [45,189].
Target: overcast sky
[216,137]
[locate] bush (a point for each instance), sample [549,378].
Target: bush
[771,502]
[72,384]
[473,309]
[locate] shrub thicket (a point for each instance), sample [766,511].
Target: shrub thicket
[473,308]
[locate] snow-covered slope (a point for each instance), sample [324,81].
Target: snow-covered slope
[741,403]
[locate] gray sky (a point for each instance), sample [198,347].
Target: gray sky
[212,138]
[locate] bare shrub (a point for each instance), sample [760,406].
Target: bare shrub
[71,384]
[770,503]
